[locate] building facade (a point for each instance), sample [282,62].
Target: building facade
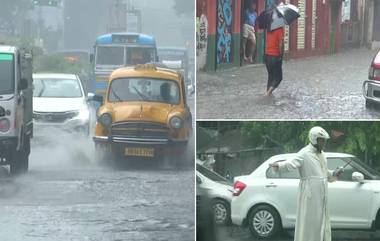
[372,24]
[316,32]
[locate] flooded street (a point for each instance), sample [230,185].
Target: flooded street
[67,195]
[326,87]
[240,234]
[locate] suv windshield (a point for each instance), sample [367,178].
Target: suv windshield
[144,89]
[7,82]
[110,55]
[57,88]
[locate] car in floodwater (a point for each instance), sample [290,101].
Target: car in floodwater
[371,87]
[59,102]
[265,201]
[144,115]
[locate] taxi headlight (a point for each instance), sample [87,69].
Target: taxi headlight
[176,122]
[105,119]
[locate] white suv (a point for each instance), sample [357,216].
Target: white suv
[266,201]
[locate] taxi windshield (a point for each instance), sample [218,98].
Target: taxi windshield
[144,89]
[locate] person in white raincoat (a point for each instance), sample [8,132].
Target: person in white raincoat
[312,223]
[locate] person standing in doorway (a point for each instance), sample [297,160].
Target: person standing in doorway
[274,51]
[312,222]
[249,37]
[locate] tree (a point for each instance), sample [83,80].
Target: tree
[354,137]
[11,12]
[184,7]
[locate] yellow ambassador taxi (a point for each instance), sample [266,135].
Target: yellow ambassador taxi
[144,114]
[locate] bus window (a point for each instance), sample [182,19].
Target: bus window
[137,55]
[110,55]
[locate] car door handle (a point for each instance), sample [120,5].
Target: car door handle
[271,185]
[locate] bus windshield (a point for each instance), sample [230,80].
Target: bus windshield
[110,55]
[7,83]
[140,55]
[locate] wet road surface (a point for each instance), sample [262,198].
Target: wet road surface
[239,234]
[67,195]
[325,87]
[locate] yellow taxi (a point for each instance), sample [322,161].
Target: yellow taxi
[144,114]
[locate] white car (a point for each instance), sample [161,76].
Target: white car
[219,191]
[60,102]
[266,201]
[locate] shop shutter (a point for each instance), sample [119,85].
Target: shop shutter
[287,32]
[313,26]
[301,25]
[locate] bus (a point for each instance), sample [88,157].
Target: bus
[115,50]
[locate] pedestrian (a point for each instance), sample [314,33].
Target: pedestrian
[249,37]
[312,222]
[274,51]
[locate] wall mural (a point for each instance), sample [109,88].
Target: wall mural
[224,31]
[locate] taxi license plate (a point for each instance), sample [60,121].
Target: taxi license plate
[135,151]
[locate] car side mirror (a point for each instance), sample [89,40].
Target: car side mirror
[23,84]
[358,177]
[98,98]
[90,96]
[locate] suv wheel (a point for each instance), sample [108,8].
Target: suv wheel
[221,212]
[20,158]
[264,222]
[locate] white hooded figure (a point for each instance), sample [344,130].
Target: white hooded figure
[312,223]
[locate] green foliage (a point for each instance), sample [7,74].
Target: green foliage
[57,63]
[359,138]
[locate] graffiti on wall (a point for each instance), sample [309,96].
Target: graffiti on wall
[202,34]
[224,31]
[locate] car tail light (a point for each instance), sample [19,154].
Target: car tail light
[4,125]
[238,188]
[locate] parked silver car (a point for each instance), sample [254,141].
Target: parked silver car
[219,192]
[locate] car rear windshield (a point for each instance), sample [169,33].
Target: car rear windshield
[144,89]
[7,83]
[210,174]
[57,88]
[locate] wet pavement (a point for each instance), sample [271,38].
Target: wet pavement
[67,195]
[324,87]
[240,234]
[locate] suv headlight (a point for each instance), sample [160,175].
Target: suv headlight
[83,114]
[5,125]
[105,119]
[176,122]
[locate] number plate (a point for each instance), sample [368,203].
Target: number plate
[144,152]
